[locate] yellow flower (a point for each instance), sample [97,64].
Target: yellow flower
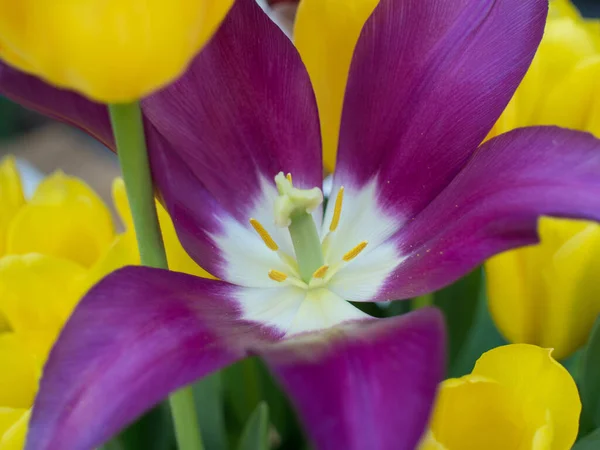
[110,50]
[53,247]
[517,397]
[325,34]
[547,294]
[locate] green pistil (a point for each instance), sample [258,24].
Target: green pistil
[307,244]
[292,210]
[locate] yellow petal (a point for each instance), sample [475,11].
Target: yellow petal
[125,251]
[110,50]
[11,196]
[14,437]
[571,282]
[563,8]
[325,33]
[38,294]
[18,374]
[547,294]
[475,413]
[513,290]
[64,218]
[537,381]
[575,101]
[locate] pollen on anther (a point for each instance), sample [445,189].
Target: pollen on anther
[289,177]
[337,210]
[321,271]
[264,235]
[355,251]
[276,275]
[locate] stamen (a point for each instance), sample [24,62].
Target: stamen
[264,235]
[276,275]
[289,177]
[355,251]
[320,272]
[337,211]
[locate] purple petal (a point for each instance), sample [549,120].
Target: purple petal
[428,80]
[59,104]
[243,110]
[138,335]
[366,385]
[494,204]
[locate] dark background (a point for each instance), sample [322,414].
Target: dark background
[590,8]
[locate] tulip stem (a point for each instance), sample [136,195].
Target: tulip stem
[128,129]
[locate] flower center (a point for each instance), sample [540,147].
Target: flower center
[293,208]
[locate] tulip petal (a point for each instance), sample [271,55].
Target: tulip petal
[428,80]
[244,111]
[18,375]
[64,218]
[59,104]
[325,34]
[536,380]
[14,437]
[136,336]
[38,294]
[367,384]
[494,204]
[11,196]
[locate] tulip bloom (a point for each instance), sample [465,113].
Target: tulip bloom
[111,51]
[516,397]
[547,295]
[416,204]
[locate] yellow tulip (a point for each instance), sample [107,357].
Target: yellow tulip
[516,397]
[53,247]
[325,34]
[112,51]
[546,294]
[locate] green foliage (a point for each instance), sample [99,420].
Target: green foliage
[590,381]
[589,442]
[255,435]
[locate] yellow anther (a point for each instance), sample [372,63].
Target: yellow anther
[276,275]
[320,272]
[289,177]
[337,211]
[264,235]
[355,251]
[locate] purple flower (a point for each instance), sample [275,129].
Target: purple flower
[416,203]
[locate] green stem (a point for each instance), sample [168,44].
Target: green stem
[307,244]
[128,129]
[421,301]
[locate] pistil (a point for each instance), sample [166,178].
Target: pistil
[292,210]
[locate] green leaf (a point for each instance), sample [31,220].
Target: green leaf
[589,442]
[208,396]
[459,303]
[590,381]
[256,432]
[483,336]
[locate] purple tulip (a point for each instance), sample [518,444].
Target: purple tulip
[422,204]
